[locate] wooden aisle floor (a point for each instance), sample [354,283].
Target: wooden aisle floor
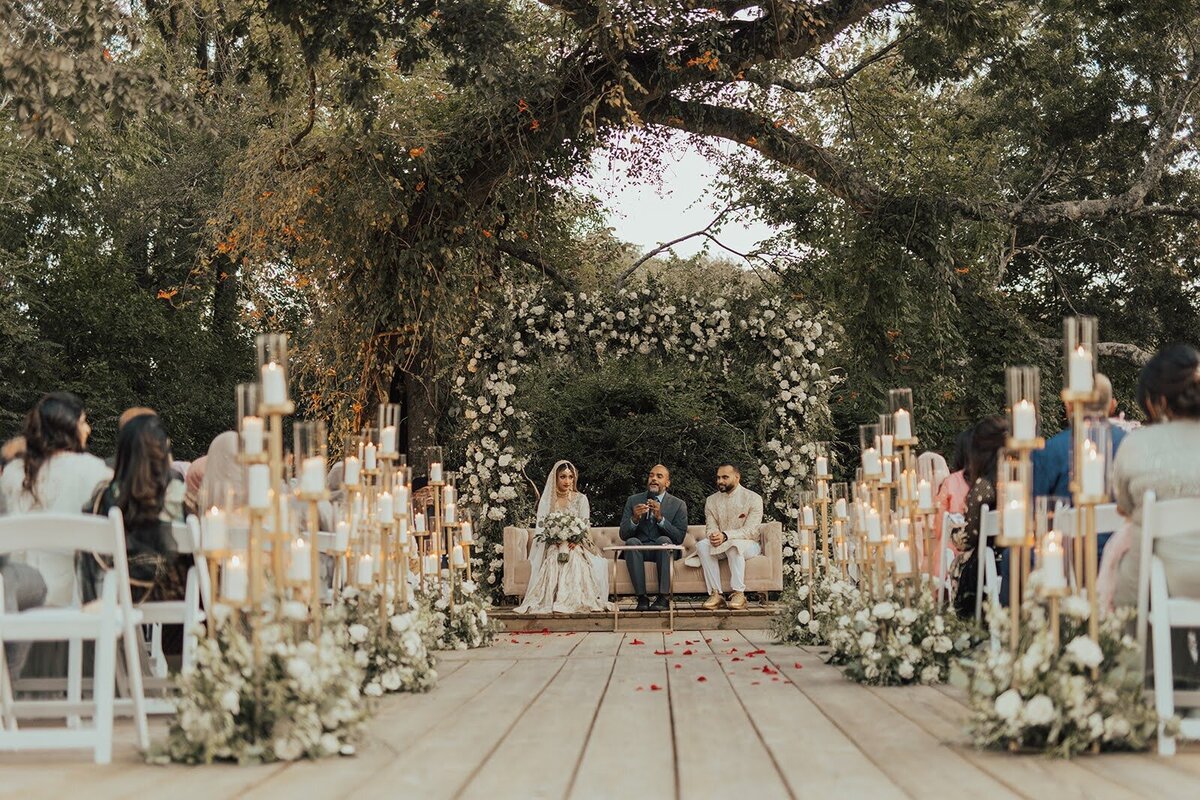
[715,714]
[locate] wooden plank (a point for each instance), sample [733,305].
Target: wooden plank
[913,759]
[644,644]
[441,762]
[556,728]
[717,746]
[599,644]
[631,712]
[815,758]
[1147,775]
[1028,774]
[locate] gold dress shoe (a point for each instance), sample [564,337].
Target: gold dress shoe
[714,601]
[737,601]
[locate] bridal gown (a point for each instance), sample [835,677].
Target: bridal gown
[579,585]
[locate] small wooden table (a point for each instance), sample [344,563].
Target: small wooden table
[612,579]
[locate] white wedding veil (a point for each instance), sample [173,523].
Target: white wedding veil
[550,489]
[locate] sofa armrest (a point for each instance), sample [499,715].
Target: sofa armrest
[516,550]
[772,536]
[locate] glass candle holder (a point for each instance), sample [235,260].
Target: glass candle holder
[925,487]
[272,350]
[218,507]
[868,438]
[251,427]
[821,452]
[1052,562]
[1024,390]
[311,457]
[435,461]
[352,461]
[887,437]
[806,508]
[1079,354]
[1092,466]
[1012,498]
[389,430]
[839,495]
[900,401]
[368,440]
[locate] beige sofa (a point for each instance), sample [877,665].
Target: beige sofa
[764,573]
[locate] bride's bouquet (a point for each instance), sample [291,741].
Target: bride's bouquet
[560,527]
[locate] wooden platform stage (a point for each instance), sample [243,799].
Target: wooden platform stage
[720,714]
[689,616]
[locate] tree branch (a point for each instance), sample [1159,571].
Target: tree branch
[533,259]
[831,81]
[1123,350]
[632,268]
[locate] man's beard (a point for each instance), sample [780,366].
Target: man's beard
[726,488]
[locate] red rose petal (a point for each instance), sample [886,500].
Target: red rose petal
[769,671]
[654,687]
[755,683]
[641,688]
[664,652]
[679,666]
[637,641]
[515,641]
[798,665]
[758,652]
[724,640]
[774,679]
[701,679]
[709,640]
[735,658]
[687,652]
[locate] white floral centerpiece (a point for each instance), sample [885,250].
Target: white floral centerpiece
[395,658]
[807,611]
[463,626]
[560,528]
[301,701]
[892,639]
[1046,698]
[785,341]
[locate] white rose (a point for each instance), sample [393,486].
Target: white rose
[391,680]
[358,633]
[908,616]
[884,610]
[287,749]
[1008,705]
[1039,711]
[1085,652]
[867,640]
[373,690]
[329,744]
[802,592]
[803,617]
[230,701]
[814,627]
[905,670]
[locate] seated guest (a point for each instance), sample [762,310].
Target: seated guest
[222,472]
[126,415]
[191,481]
[55,474]
[14,448]
[987,440]
[731,519]
[951,493]
[23,589]
[653,517]
[150,498]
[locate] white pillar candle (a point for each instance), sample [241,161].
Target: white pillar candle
[889,550]
[1014,519]
[1093,472]
[402,530]
[903,559]
[874,528]
[431,565]
[300,567]
[1053,574]
[387,440]
[822,465]
[449,495]
[216,531]
[384,510]
[419,522]
[905,484]
[805,538]
[369,456]
[366,569]
[810,518]
[252,435]
[341,537]
[258,486]
[1014,492]
[468,533]
[459,560]
[1079,372]
[1024,421]
[435,472]
[805,559]
[839,508]
[924,494]
[450,514]
[403,502]
[351,470]
[887,470]
[234,580]
[870,462]
[312,475]
[273,385]
[904,530]
[822,490]
[886,444]
[902,424]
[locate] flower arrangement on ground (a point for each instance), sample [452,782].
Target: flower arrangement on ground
[302,700]
[559,528]
[394,658]
[894,637]
[1046,698]
[463,626]
[807,610]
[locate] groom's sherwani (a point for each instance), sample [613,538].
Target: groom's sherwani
[737,514]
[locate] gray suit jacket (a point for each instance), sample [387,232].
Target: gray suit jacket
[673,525]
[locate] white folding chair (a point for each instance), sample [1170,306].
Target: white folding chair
[1108,520]
[987,578]
[950,523]
[1159,610]
[109,619]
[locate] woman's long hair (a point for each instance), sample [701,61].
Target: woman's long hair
[987,440]
[1173,376]
[51,427]
[142,470]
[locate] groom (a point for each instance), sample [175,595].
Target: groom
[653,517]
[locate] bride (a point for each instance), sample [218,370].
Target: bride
[577,582]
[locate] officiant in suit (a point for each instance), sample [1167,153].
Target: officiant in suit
[653,517]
